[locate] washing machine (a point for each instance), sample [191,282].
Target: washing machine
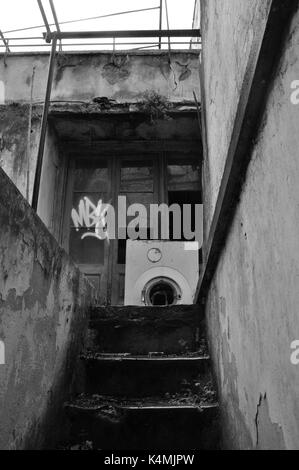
[161,273]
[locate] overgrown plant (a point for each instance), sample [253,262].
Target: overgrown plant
[155,105]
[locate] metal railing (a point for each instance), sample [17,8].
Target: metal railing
[51,39]
[11,44]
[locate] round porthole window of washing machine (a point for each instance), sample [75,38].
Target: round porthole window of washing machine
[161,292]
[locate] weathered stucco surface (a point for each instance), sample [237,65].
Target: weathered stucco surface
[83,76]
[252,306]
[79,80]
[51,202]
[18,159]
[43,314]
[14,159]
[229,29]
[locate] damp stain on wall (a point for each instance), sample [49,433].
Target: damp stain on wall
[117,70]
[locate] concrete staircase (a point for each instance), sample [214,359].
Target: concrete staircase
[147,382]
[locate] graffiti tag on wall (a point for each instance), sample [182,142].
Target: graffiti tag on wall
[90,216]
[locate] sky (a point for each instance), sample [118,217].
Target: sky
[17,14]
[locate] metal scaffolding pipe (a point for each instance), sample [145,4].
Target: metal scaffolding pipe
[160,21]
[145,33]
[5,42]
[44,17]
[44,124]
[102,44]
[54,15]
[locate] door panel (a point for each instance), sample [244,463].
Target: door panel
[89,188]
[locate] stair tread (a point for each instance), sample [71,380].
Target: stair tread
[179,401]
[143,313]
[94,356]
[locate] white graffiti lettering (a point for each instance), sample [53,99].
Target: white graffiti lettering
[91,215]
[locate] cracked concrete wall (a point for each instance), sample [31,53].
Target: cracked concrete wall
[252,305]
[43,314]
[83,76]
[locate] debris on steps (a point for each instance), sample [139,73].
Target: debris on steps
[147,380]
[155,422]
[85,445]
[199,398]
[129,375]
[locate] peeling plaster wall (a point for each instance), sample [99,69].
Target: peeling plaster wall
[20,164]
[83,76]
[252,305]
[43,315]
[14,159]
[123,77]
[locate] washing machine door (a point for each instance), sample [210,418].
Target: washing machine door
[161,292]
[160,286]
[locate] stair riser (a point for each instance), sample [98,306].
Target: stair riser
[140,330]
[141,378]
[140,340]
[152,429]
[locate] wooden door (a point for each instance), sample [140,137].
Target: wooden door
[89,183]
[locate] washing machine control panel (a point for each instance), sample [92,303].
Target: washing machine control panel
[154,255]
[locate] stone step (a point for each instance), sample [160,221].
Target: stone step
[140,330]
[151,423]
[128,375]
